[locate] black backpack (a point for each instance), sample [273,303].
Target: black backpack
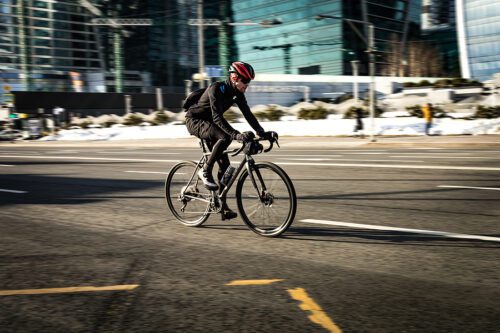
[193,98]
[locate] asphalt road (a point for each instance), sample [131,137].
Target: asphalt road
[91,216]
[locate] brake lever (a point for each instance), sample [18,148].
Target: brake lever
[277,143]
[270,147]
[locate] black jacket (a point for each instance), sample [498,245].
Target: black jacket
[216,100]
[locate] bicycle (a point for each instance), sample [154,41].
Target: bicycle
[265,195]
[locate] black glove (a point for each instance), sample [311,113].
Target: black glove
[270,135]
[245,136]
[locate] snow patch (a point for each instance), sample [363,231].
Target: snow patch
[334,125]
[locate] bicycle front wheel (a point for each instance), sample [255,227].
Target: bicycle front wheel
[266,199]
[186,196]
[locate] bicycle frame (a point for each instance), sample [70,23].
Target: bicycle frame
[248,161]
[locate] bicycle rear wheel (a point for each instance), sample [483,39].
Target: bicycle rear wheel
[267,207]
[186,196]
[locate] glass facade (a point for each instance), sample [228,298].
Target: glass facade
[479,37]
[440,32]
[303,45]
[168,49]
[395,21]
[438,14]
[50,45]
[154,49]
[55,36]
[43,42]
[299,45]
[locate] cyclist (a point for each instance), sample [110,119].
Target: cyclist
[205,120]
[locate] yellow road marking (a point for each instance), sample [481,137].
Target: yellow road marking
[318,316]
[66,290]
[251,282]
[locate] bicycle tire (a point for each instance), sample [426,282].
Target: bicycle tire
[194,199]
[274,215]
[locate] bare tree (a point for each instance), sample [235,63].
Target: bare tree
[419,59]
[423,60]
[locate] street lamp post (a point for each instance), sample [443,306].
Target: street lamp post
[370,43]
[201,46]
[355,64]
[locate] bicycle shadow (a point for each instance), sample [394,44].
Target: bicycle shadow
[381,237]
[219,226]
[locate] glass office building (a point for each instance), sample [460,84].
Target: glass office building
[478,25]
[439,30]
[166,49]
[47,43]
[438,14]
[303,45]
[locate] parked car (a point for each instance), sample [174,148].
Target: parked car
[11,135]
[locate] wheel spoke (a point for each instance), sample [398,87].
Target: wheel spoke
[274,212]
[253,211]
[191,208]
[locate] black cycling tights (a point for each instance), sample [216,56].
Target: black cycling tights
[216,155]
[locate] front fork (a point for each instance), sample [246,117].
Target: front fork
[264,196]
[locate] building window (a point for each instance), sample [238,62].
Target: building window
[39,51]
[40,13]
[42,61]
[40,23]
[309,70]
[80,63]
[41,42]
[40,4]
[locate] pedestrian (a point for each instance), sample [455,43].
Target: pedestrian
[57,113]
[427,113]
[358,128]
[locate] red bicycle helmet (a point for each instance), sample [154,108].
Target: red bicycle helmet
[243,69]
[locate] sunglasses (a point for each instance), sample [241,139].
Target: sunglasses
[245,80]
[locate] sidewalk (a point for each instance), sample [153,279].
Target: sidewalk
[455,141]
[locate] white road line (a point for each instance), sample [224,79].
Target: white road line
[346,159]
[415,231]
[135,153]
[438,153]
[365,153]
[308,159]
[454,157]
[6,165]
[470,187]
[65,151]
[339,150]
[12,191]
[308,155]
[91,158]
[394,166]
[156,172]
